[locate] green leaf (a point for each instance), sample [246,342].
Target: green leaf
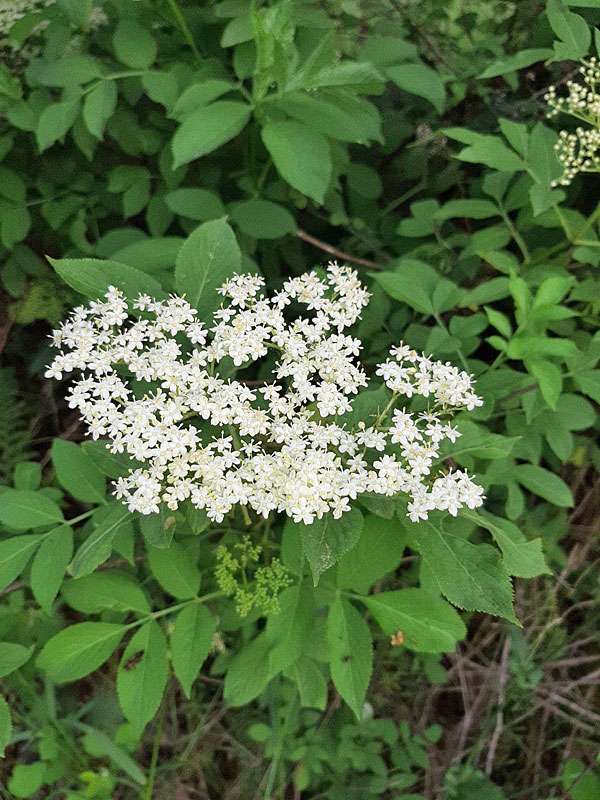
[379,551]
[109,522]
[209,127]
[351,650]
[105,590]
[338,115]
[248,672]
[471,209]
[412,283]
[191,641]
[428,623]
[516,61]
[263,219]
[28,476]
[100,745]
[420,80]
[113,465]
[470,576]
[26,779]
[208,257]
[198,95]
[13,656]
[49,565]
[77,473]
[549,378]
[5,726]
[523,558]
[544,484]
[54,122]
[79,649]
[301,156]
[486,149]
[175,570]
[200,204]
[161,87]
[151,255]
[141,681]
[134,45]
[22,510]
[92,277]
[290,628]
[572,29]
[78,11]
[589,383]
[99,106]
[327,539]
[312,686]
[15,554]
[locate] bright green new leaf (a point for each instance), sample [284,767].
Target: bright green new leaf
[142,675]
[207,128]
[208,258]
[22,510]
[77,473]
[175,569]
[49,565]
[351,649]
[572,29]
[339,115]
[191,641]
[428,623]
[79,649]
[301,156]
[198,95]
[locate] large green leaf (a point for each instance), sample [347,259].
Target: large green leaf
[22,509]
[92,277]
[77,473]
[523,558]
[175,570]
[13,656]
[109,522]
[191,640]
[142,674]
[208,258]
[351,650]
[15,554]
[208,128]
[421,80]
[428,623]
[105,590]
[248,672]
[470,576]
[327,539]
[5,726]
[544,483]
[290,628]
[49,565]
[378,552]
[79,649]
[301,156]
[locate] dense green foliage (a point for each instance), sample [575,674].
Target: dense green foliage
[161,146]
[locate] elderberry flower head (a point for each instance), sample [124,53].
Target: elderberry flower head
[578,151]
[218,442]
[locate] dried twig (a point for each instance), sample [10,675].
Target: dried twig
[502,678]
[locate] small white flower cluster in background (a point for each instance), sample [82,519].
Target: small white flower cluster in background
[578,151]
[279,447]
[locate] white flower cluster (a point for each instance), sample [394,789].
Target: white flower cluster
[280,447]
[578,151]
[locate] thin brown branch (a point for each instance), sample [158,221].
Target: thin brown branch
[333,251]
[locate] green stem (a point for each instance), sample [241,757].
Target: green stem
[148,790]
[172,609]
[79,518]
[521,244]
[187,34]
